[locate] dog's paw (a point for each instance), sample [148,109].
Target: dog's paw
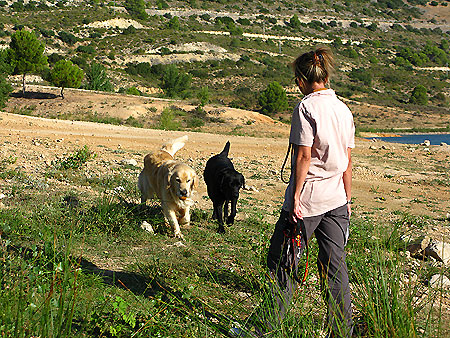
[148,227]
[179,235]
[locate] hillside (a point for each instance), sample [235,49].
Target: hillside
[74,259]
[383,50]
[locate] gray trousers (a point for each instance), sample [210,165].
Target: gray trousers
[331,230]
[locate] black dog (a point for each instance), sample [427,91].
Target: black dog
[223,183]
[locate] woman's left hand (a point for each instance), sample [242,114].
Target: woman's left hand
[296,212]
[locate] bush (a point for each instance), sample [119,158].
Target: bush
[5,90]
[273,99]
[167,120]
[361,74]
[86,49]
[68,38]
[98,79]
[75,160]
[173,82]
[419,95]
[136,8]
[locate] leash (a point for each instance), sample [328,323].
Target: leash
[289,150]
[295,236]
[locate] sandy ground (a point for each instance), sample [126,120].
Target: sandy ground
[385,179]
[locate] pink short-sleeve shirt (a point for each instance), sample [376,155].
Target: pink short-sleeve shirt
[324,123]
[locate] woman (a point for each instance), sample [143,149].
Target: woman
[319,192]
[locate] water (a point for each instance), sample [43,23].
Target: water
[435,139]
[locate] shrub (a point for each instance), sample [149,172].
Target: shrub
[5,90]
[75,160]
[86,49]
[273,99]
[294,22]
[203,96]
[68,38]
[361,74]
[136,8]
[419,95]
[133,91]
[173,82]
[98,79]
[167,120]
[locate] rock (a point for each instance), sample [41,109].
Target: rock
[373,147]
[147,227]
[2,196]
[426,149]
[448,216]
[384,147]
[417,246]
[439,251]
[443,144]
[250,188]
[437,281]
[426,143]
[129,162]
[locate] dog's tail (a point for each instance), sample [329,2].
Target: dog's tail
[226,149]
[174,145]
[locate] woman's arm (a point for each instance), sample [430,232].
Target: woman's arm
[302,162]
[347,178]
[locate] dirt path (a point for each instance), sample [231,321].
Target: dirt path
[384,179]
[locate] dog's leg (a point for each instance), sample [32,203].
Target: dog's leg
[173,222]
[230,219]
[185,217]
[218,208]
[225,209]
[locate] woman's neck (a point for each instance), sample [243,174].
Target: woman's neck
[308,88]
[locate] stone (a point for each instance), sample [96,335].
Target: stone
[417,246]
[147,227]
[373,147]
[443,144]
[437,281]
[439,251]
[2,196]
[250,188]
[129,162]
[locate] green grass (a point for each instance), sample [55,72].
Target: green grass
[74,265]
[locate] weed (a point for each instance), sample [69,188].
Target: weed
[75,160]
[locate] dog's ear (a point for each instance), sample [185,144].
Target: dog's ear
[168,178]
[194,185]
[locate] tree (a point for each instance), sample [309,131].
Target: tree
[26,54]
[66,74]
[203,96]
[98,79]
[5,87]
[419,95]
[273,99]
[136,8]
[174,83]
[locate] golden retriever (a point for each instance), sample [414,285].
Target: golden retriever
[172,181]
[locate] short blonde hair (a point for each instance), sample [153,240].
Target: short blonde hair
[314,66]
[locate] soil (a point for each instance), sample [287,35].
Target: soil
[388,178]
